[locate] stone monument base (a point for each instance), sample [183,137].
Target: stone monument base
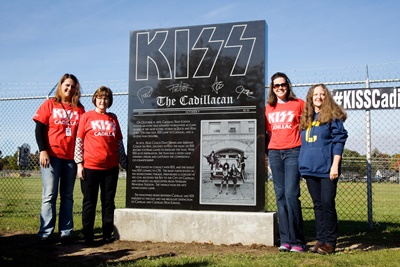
[216,227]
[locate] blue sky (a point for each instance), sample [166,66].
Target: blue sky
[42,39]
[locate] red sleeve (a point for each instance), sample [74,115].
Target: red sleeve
[81,127]
[44,112]
[118,133]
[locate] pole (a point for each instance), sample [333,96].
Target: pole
[369,168]
[51,91]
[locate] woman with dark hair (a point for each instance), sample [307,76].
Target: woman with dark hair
[323,138]
[282,115]
[98,152]
[57,121]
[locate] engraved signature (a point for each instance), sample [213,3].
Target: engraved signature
[179,87]
[144,92]
[241,90]
[217,85]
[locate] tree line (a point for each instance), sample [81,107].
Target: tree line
[353,162]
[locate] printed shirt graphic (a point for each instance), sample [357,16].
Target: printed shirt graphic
[282,123]
[100,134]
[58,118]
[320,142]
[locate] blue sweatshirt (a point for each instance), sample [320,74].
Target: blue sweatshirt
[319,144]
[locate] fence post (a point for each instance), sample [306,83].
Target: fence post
[51,91]
[369,168]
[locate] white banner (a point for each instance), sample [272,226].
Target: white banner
[371,98]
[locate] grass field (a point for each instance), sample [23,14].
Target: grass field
[20,204]
[22,197]
[20,200]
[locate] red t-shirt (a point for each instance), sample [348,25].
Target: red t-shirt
[58,117]
[282,123]
[100,134]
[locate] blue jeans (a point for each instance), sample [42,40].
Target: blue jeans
[286,177]
[60,173]
[323,194]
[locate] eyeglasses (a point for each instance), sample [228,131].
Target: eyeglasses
[103,98]
[280,85]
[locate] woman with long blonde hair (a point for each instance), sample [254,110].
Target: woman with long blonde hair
[323,137]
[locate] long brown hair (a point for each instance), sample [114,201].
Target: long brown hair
[290,95]
[77,91]
[329,111]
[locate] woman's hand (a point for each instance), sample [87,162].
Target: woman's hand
[334,173]
[44,159]
[79,172]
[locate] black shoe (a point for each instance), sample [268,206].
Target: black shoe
[66,239]
[108,240]
[44,240]
[88,241]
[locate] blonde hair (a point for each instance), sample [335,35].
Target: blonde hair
[329,111]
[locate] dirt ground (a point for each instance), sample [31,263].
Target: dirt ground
[24,250]
[20,249]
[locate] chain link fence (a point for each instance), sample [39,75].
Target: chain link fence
[369,187]
[21,186]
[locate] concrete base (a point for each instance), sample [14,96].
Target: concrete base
[217,227]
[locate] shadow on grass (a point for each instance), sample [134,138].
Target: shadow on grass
[355,235]
[25,250]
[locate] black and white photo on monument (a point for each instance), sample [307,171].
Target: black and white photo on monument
[228,162]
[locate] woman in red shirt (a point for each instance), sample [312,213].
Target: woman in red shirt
[57,121]
[98,151]
[282,115]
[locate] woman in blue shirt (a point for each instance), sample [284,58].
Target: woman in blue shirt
[323,138]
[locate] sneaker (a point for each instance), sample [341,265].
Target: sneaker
[284,248]
[297,249]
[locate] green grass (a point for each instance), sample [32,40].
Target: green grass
[21,197]
[20,201]
[351,201]
[386,199]
[20,205]
[382,258]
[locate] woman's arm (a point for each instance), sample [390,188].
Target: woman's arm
[334,173]
[339,137]
[78,157]
[41,140]
[121,155]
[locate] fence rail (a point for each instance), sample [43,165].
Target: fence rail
[369,188]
